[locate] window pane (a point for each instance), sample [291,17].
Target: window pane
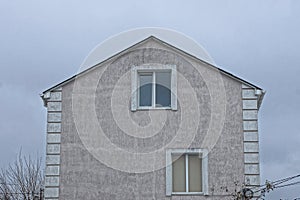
[145,90]
[163,89]
[178,173]
[195,173]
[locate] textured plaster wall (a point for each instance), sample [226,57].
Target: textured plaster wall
[82,176]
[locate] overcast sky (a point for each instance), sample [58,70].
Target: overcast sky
[44,42]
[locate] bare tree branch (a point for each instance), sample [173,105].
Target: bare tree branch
[21,180]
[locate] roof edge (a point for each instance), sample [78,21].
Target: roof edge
[165,43]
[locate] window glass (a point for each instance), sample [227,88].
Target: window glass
[145,89]
[194,171]
[163,89]
[178,171]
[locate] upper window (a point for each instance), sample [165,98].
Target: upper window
[154,87]
[186,172]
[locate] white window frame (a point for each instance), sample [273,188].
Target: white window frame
[152,68]
[169,182]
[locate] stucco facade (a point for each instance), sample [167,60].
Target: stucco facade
[95,106]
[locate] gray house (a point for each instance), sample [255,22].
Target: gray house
[156,120]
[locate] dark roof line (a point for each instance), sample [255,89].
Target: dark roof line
[92,67]
[240,79]
[59,84]
[212,65]
[136,44]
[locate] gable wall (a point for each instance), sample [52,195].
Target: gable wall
[84,167]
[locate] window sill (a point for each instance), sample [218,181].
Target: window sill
[188,193]
[153,108]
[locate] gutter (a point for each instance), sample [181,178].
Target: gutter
[45,97]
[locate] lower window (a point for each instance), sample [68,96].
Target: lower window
[186,172]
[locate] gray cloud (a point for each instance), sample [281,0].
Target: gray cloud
[43,43]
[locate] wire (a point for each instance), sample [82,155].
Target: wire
[285,180]
[276,184]
[290,184]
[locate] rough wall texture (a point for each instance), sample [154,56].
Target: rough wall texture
[83,176]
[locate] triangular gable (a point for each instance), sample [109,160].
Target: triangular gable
[163,43]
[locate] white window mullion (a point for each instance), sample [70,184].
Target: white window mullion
[186,173]
[153,89]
